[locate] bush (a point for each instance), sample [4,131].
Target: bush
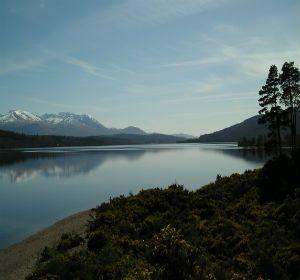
[240,227]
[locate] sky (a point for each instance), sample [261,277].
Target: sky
[170,66]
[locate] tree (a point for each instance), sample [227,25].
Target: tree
[271,111]
[290,85]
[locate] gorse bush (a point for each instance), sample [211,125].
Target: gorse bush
[240,227]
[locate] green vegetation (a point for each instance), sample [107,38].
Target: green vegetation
[240,227]
[15,140]
[259,141]
[271,112]
[280,101]
[263,142]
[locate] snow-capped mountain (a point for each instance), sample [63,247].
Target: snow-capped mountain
[19,116]
[65,123]
[67,118]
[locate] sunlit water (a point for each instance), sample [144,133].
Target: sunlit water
[40,186]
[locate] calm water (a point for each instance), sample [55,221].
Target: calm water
[39,187]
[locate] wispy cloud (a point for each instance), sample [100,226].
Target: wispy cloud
[85,66]
[13,66]
[211,85]
[83,108]
[252,56]
[80,63]
[122,69]
[129,12]
[254,62]
[39,63]
[215,97]
[132,12]
[197,62]
[155,91]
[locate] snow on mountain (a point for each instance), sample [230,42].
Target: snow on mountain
[52,118]
[19,116]
[65,123]
[67,118]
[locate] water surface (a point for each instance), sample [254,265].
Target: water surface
[40,186]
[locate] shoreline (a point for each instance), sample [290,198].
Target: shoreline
[18,260]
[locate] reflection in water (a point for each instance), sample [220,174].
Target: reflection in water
[250,155]
[39,186]
[22,166]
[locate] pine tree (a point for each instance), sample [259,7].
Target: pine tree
[290,85]
[271,111]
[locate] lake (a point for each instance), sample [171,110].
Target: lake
[40,186]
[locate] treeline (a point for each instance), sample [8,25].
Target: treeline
[15,140]
[279,101]
[240,227]
[264,142]
[259,141]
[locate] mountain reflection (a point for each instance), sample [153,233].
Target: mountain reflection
[22,166]
[19,167]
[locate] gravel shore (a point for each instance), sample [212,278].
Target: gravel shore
[17,260]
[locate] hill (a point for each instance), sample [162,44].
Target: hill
[15,140]
[184,135]
[240,227]
[249,128]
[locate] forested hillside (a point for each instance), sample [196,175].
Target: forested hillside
[16,140]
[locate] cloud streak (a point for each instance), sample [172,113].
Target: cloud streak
[154,12]
[86,108]
[12,66]
[216,97]
[235,55]
[252,62]
[39,63]
[85,66]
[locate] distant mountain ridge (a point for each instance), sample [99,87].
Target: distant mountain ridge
[249,128]
[64,124]
[184,135]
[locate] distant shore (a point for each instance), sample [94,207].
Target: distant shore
[19,259]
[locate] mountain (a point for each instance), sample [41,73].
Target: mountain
[183,135]
[128,130]
[153,138]
[66,118]
[19,116]
[66,124]
[249,128]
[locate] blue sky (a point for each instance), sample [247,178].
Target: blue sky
[169,66]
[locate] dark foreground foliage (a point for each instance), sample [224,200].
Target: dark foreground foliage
[240,227]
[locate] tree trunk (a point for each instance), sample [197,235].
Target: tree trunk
[291,119]
[278,134]
[295,124]
[294,129]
